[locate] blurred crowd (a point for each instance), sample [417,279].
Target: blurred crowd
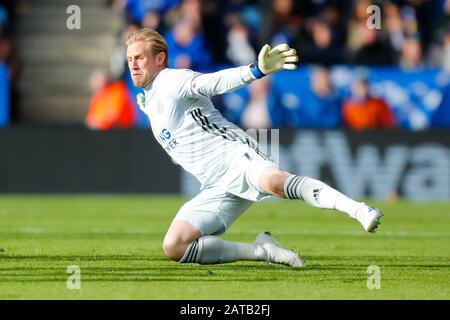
[9,61]
[203,33]
[207,35]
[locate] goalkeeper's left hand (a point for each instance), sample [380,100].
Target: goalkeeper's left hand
[270,60]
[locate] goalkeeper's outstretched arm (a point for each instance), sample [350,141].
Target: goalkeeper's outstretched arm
[270,60]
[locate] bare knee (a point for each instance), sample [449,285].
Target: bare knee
[174,248]
[178,238]
[272,181]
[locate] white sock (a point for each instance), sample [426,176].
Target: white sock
[318,194]
[210,250]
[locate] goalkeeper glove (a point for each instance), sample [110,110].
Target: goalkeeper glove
[273,60]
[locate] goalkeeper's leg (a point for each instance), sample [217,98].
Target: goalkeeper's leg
[185,244]
[318,194]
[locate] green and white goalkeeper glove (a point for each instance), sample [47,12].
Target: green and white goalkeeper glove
[270,60]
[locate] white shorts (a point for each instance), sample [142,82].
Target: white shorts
[217,206]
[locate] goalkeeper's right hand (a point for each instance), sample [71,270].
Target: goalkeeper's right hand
[279,58]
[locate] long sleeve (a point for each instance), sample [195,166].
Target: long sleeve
[211,84]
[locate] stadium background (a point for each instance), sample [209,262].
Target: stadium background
[83,182]
[57,83]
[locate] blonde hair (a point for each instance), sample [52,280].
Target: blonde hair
[157,42]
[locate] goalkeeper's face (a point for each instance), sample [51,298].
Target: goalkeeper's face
[143,64]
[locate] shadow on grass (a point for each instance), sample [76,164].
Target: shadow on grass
[146,268]
[82,257]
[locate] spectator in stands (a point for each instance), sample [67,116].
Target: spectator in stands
[321,50]
[393,26]
[9,59]
[446,10]
[187,48]
[111,105]
[214,18]
[362,111]
[439,55]
[374,50]
[281,23]
[445,61]
[147,12]
[188,10]
[411,58]
[320,107]
[239,50]
[357,25]
[152,20]
[365,46]
[333,15]
[420,17]
[4,73]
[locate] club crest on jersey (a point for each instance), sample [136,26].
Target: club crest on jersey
[167,141]
[159,106]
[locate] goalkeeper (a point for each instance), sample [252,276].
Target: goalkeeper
[233,172]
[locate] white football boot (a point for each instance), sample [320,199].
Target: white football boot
[369,217]
[276,253]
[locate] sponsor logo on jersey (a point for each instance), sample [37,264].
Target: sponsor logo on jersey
[167,141]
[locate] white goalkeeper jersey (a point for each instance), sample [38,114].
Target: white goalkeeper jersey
[186,124]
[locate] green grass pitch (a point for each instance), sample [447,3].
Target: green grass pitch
[116,242]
